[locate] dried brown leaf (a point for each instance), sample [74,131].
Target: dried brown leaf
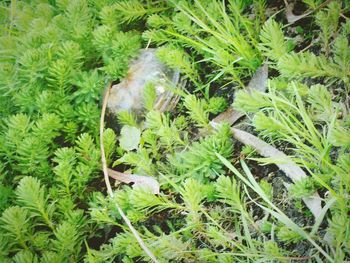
[291,18]
[140,181]
[230,116]
[258,82]
[289,167]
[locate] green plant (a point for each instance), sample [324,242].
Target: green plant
[52,78]
[222,36]
[40,225]
[284,116]
[306,124]
[129,11]
[58,56]
[332,65]
[198,161]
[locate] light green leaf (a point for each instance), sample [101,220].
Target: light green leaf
[129,138]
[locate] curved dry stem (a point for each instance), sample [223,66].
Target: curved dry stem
[108,184]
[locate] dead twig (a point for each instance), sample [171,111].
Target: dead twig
[108,184]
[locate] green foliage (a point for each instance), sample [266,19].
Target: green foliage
[140,160]
[217,105]
[267,188]
[136,9]
[193,193]
[179,60]
[31,143]
[306,64]
[228,192]
[31,195]
[312,3]
[60,74]
[67,240]
[340,136]
[327,19]
[148,203]
[197,110]
[117,49]
[127,118]
[273,45]
[90,85]
[15,221]
[38,225]
[58,56]
[166,245]
[166,131]
[321,103]
[25,256]
[303,188]
[72,53]
[339,229]
[32,157]
[309,125]
[199,161]
[52,89]
[287,119]
[150,96]
[6,194]
[223,36]
[109,143]
[251,101]
[289,236]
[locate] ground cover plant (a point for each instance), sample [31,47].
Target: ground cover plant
[219,200]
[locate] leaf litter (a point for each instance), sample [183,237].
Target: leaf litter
[139,181]
[286,164]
